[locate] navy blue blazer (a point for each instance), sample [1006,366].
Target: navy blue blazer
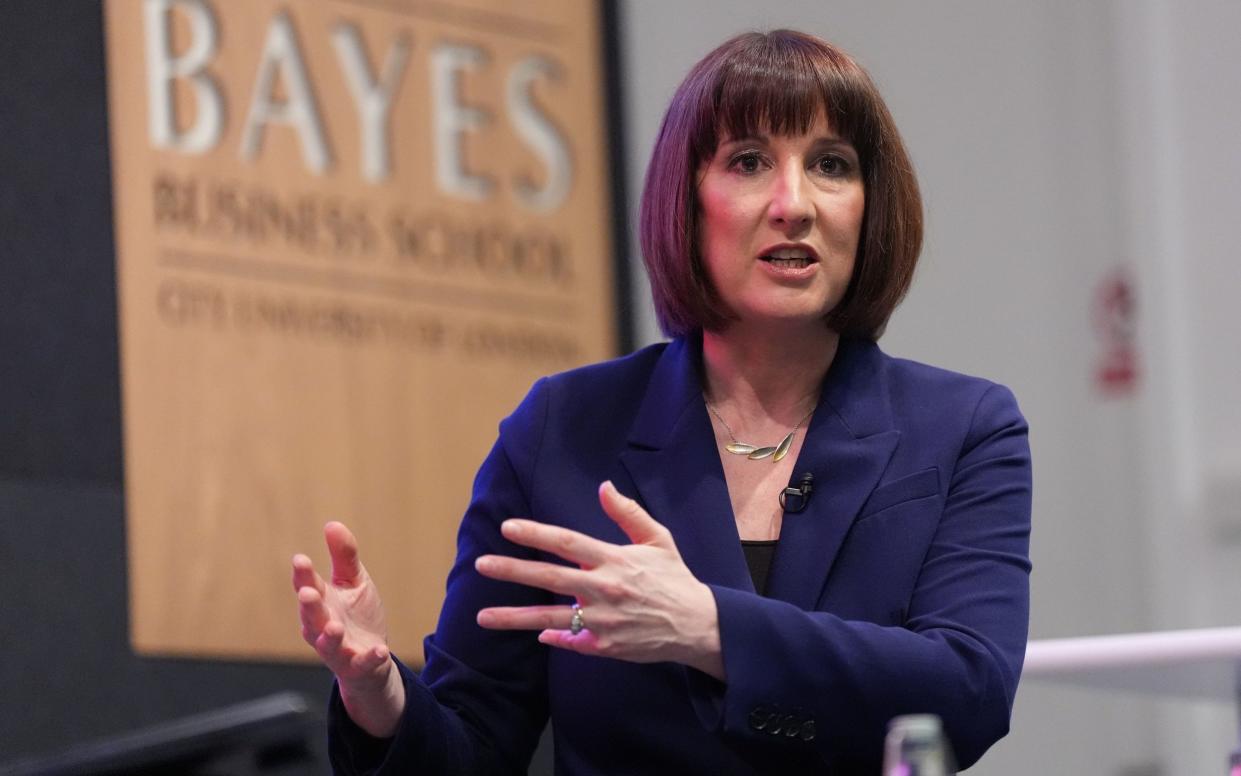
[903,587]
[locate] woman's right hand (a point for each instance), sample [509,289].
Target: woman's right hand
[344,621]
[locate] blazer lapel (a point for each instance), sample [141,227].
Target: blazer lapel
[676,469]
[675,466]
[847,447]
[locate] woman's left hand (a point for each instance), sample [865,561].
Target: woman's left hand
[638,602]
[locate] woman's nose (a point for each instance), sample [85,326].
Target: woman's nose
[790,200]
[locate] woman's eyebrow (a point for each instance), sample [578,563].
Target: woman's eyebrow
[835,143]
[823,141]
[750,138]
[759,137]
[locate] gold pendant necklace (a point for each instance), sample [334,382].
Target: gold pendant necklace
[754,452]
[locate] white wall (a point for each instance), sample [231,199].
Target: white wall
[1046,145]
[1182,172]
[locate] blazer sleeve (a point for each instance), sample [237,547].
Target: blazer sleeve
[480,704]
[958,654]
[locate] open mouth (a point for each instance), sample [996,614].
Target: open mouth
[788,258]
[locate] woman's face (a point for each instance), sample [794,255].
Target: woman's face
[779,222]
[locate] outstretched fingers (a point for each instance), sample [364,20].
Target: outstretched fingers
[341,658]
[525,617]
[313,613]
[639,526]
[547,576]
[585,643]
[369,661]
[343,547]
[304,575]
[586,551]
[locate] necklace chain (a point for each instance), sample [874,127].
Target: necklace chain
[758,452]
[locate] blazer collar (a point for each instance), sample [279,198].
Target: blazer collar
[673,388]
[847,447]
[675,465]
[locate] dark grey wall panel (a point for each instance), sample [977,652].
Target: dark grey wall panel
[59,377]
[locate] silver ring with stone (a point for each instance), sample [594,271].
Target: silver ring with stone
[577,623]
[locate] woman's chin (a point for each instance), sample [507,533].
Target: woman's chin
[784,321]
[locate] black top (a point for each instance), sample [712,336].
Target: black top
[758,555]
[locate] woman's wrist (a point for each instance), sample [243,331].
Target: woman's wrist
[707,655]
[376,707]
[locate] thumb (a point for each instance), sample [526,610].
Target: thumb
[343,548]
[637,524]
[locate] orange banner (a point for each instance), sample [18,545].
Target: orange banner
[350,234]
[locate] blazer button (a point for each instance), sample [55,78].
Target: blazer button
[760,717]
[793,728]
[786,724]
[807,730]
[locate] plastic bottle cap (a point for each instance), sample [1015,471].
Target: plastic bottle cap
[917,724]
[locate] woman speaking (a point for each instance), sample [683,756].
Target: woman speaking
[744,550]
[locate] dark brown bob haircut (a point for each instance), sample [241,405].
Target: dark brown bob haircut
[776,82]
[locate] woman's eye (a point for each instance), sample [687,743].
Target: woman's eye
[747,162]
[833,165]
